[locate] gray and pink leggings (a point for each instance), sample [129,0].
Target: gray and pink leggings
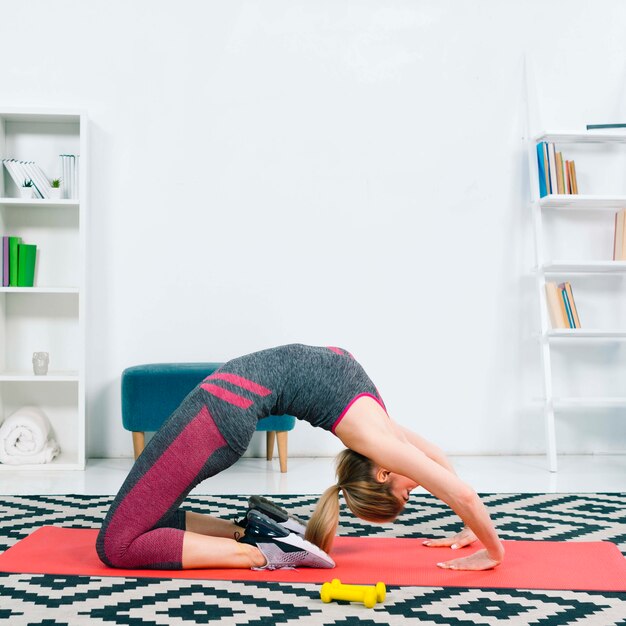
[144,527]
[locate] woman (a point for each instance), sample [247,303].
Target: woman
[145,528]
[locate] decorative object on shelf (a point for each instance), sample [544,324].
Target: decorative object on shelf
[27,190]
[55,189]
[41,361]
[26,438]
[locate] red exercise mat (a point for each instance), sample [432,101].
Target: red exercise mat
[590,566]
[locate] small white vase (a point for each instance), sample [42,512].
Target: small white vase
[55,193]
[27,192]
[40,363]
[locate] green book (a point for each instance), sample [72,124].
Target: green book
[14,242]
[26,265]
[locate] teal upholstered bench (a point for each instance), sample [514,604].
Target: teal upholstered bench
[151,393]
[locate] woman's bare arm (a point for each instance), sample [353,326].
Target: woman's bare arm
[367,429]
[429,449]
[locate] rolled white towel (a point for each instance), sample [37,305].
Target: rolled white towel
[25,438]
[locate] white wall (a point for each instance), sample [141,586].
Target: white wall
[332,172]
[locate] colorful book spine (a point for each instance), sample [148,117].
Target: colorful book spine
[27,257]
[559,173]
[14,243]
[567,288]
[556,174]
[601,126]
[574,180]
[543,190]
[556,307]
[619,236]
[545,161]
[568,310]
[552,168]
[5,261]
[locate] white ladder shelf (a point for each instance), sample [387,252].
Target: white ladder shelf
[547,268]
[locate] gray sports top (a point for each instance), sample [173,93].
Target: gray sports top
[315,384]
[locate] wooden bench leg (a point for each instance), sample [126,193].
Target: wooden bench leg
[270,436]
[282,449]
[139,443]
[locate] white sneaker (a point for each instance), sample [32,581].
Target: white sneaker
[282,549]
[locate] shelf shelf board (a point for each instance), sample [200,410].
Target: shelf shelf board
[46,115]
[589,403]
[587,267]
[585,136]
[64,462]
[32,203]
[586,333]
[582,202]
[40,290]
[29,377]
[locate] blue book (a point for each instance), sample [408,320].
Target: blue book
[568,308]
[542,170]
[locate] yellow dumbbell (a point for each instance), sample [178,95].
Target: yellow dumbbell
[353,593]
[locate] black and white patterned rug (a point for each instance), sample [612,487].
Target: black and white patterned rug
[47,600]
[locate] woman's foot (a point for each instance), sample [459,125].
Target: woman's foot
[281,548]
[276,513]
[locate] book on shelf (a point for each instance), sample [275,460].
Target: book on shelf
[556,174]
[18,262]
[559,173]
[561,306]
[5,261]
[27,255]
[70,174]
[572,173]
[566,289]
[552,176]
[619,237]
[14,243]
[604,126]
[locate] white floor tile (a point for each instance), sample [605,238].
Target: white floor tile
[486,474]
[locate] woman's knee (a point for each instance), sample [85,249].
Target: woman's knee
[112,551]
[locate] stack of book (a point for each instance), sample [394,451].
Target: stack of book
[21,171]
[18,262]
[619,239]
[561,306]
[556,175]
[69,175]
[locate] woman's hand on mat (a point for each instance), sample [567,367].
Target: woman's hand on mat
[478,561]
[463,538]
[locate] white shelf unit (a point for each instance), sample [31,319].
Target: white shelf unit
[50,316]
[596,205]
[582,268]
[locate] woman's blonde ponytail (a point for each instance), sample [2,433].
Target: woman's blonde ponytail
[322,526]
[365,497]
